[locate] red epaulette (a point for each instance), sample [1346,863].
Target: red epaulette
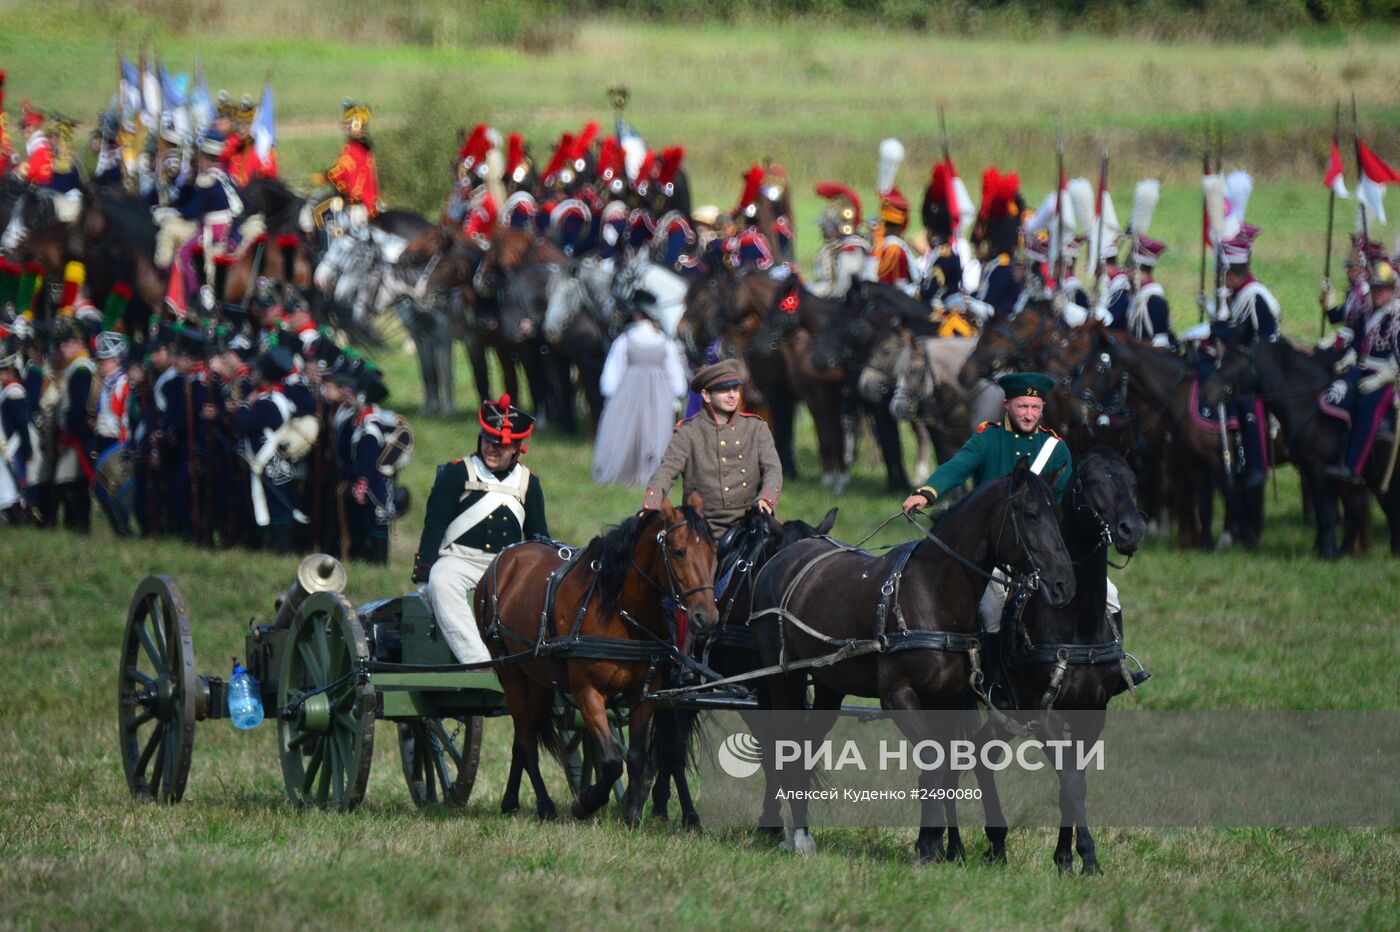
[985,424]
[455,462]
[750,414]
[687,420]
[1049,431]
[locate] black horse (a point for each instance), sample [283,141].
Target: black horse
[1070,657]
[928,591]
[1290,382]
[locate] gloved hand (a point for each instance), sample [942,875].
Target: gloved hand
[1102,315]
[1328,297]
[1200,331]
[1342,337]
[1378,379]
[1346,362]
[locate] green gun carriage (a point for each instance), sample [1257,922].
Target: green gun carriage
[327,672]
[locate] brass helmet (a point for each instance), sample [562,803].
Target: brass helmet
[1382,274]
[842,214]
[354,117]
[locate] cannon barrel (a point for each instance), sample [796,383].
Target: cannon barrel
[319,572]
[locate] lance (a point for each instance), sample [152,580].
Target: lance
[1360,204]
[1098,208]
[1058,243]
[1205,221]
[1331,213]
[943,129]
[1220,303]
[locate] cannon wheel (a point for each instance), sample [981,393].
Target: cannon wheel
[440,757]
[325,727]
[156,692]
[581,757]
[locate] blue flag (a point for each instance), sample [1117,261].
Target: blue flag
[264,128]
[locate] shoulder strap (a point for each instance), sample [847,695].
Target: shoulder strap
[1042,459]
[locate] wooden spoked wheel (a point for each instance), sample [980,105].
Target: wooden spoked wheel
[325,706]
[157,692]
[440,757]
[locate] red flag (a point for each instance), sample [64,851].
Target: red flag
[1334,179]
[1375,174]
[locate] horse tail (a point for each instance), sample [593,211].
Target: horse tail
[678,737]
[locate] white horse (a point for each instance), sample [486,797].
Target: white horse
[668,288]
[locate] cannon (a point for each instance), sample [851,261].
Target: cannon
[327,671]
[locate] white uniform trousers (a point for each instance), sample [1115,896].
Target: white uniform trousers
[994,600]
[451,582]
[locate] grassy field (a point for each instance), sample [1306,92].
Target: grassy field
[1272,630]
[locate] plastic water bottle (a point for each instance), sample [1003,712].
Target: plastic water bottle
[244,699]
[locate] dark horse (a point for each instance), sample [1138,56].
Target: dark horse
[612,591]
[1290,382]
[934,585]
[1079,641]
[117,240]
[729,649]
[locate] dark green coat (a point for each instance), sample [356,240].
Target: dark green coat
[992,452]
[495,533]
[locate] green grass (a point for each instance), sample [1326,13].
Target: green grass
[1273,630]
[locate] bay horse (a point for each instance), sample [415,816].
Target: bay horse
[1291,383]
[1014,342]
[728,648]
[1070,657]
[922,597]
[117,241]
[610,592]
[287,254]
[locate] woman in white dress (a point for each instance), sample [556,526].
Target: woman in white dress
[642,380]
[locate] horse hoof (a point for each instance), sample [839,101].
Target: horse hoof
[1065,863]
[1092,869]
[660,815]
[691,822]
[510,808]
[957,855]
[992,858]
[577,810]
[547,813]
[800,843]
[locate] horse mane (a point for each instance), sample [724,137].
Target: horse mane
[965,503]
[128,218]
[612,550]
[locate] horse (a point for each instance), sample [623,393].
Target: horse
[728,648]
[1070,657]
[612,591]
[1161,385]
[362,270]
[274,244]
[927,393]
[1011,342]
[927,592]
[788,332]
[1291,384]
[116,239]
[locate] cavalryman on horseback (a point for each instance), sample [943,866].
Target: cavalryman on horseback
[1149,317]
[996,235]
[1367,388]
[353,174]
[478,507]
[841,259]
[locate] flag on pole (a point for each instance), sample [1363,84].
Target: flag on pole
[130,88]
[150,98]
[1334,179]
[1375,175]
[264,128]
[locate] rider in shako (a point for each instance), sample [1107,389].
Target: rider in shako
[725,454]
[1367,389]
[841,259]
[992,453]
[997,237]
[1149,316]
[1352,311]
[478,507]
[201,215]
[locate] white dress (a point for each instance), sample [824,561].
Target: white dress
[642,379]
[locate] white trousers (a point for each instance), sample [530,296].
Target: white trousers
[450,585]
[994,600]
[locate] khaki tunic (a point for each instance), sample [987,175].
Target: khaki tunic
[732,464]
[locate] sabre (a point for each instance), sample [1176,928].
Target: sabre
[1356,143]
[1205,222]
[1225,445]
[1098,237]
[1059,203]
[1394,443]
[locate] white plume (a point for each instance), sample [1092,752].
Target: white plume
[967,213]
[891,157]
[1238,187]
[1145,197]
[1081,197]
[1214,189]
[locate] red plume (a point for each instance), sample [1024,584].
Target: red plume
[670,164]
[648,168]
[752,182]
[476,145]
[998,193]
[561,154]
[830,190]
[515,153]
[584,140]
[610,159]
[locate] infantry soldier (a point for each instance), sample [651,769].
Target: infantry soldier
[112,485]
[478,507]
[725,454]
[992,453]
[16,444]
[259,421]
[73,470]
